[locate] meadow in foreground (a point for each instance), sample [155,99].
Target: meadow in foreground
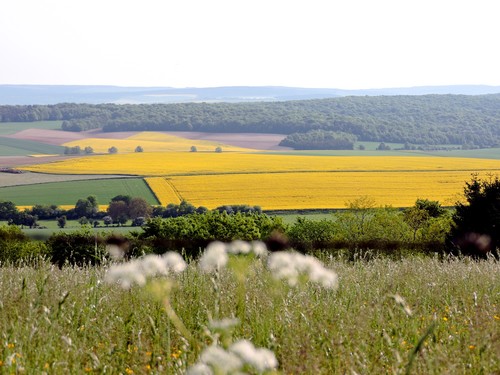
[423,315]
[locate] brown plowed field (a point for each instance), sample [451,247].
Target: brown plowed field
[51,137]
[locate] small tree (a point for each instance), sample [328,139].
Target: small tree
[61,221]
[88,150]
[107,220]
[83,221]
[218,149]
[139,149]
[194,149]
[112,150]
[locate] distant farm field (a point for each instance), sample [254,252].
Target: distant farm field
[201,163]
[150,142]
[7,128]
[314,190]
[67,193]
[287,182]
[18,147]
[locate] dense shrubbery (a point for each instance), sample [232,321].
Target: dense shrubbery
[15,246]
[192,232]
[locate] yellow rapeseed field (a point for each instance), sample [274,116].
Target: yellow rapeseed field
[286,181]
[275,191]
[196,163]
[150,142]
[163,190]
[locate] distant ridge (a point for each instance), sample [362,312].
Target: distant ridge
[52,94]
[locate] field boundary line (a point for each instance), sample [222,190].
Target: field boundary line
[174,189]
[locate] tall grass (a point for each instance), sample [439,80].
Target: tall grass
[416,315]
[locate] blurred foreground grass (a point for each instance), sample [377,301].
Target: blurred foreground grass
[61,321]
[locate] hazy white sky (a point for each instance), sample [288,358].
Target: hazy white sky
[200,43]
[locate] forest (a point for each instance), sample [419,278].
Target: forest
[471,121]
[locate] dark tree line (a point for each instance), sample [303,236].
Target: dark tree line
[320,140]
[426,119]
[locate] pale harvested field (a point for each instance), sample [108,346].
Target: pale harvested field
[257,141]
[16,161]
[28,178]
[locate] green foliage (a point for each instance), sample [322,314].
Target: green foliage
[196,230]
[320,140]
[139,149]
[476,228]
[74,150]
[307,235]
[77,248]
[88,150]
[8,210]
[15,246]
[112,150]
[61,221]
[86,207]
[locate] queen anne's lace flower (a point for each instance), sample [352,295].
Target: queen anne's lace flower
[291,266]
[137,271]
[214,258]
[240,355]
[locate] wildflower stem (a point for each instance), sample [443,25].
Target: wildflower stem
[177,322]
[418,347]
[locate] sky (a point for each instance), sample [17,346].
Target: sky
[347,44]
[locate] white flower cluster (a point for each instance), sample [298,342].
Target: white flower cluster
[217,253]
[137,271]
[291,266]
[241,354]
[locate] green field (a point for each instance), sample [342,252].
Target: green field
[68,192]
[7,128]
[21,147]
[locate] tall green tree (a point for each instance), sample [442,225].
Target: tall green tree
[476,227]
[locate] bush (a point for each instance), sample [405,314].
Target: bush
[476,223]
[76,248]
[15,246]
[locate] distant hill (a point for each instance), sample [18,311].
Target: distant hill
[52,94]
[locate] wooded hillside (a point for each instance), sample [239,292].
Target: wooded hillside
[426,119]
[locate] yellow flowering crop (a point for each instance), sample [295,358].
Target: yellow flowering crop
[311,190]
[196,163]
[150,142]
[163,190]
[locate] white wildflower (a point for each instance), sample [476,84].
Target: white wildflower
[224,324]
[239,247]
[214,258]
[126,274]
[259,249]
[261,359]
[199,369]
[137,271]
[174,261]
[220,360]
[152,265]
[115,252]
[290,266]
[283,266]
